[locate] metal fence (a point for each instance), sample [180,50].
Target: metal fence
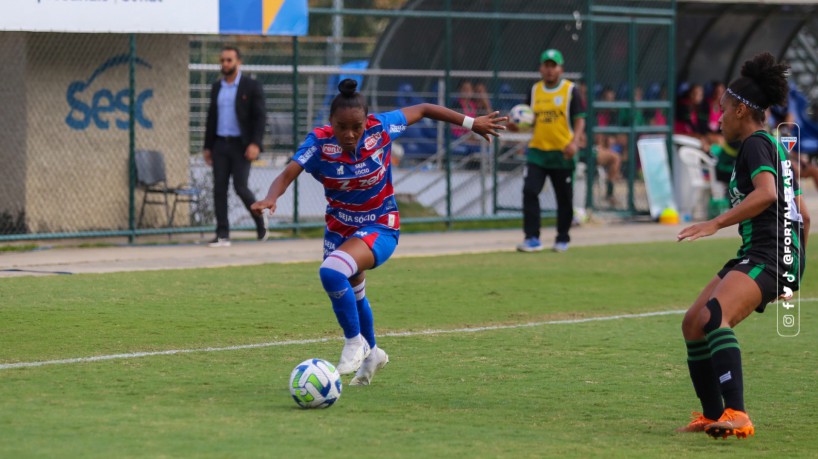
[71,116]
[93,103]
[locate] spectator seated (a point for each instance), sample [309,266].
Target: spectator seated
[420,139]
[623,92]
[653,92]
[507,99]
[598,91]
[809,128]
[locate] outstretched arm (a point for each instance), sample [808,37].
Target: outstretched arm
[483,125]
[762,197]
[277,188]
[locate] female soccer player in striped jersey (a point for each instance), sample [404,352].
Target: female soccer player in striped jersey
[773,224]
[352,159]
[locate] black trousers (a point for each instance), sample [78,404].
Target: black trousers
[562,181]
[228,160]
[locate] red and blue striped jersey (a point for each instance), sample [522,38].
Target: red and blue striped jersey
[358,186]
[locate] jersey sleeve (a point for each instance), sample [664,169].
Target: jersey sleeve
[308,154]
[394,123]
[530,98]
[577,106]
[759,156]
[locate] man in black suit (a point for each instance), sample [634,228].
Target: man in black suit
[233,139]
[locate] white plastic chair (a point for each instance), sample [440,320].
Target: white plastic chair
[681,140]
[692,187]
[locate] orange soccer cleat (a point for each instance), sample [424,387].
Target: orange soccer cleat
[731,422]
[698,423]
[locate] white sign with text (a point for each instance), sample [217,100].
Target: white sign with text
[118,16]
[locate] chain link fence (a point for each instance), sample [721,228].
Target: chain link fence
[66,127]
[630,101]
[67,168]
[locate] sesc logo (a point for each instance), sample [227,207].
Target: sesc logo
[101,106]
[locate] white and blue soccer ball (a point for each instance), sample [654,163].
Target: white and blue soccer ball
[522,116]
[315,383]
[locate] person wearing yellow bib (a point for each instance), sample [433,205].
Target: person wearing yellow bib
[559,119]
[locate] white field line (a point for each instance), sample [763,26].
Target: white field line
[134,355]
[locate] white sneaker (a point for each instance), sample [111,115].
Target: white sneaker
[377,359]
[219,242]
[531,244]
[560,247]
[352,356]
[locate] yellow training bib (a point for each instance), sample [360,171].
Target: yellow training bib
[552,128]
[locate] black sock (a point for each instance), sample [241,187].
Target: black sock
[704,378]
[726,357]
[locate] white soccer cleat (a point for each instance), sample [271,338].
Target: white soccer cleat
[377,359]
[352,356]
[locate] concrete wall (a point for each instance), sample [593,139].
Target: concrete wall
[73,124]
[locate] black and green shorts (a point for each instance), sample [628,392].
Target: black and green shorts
[764,275]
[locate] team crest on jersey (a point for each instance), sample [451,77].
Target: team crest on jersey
[372,140]
[558,100]
[340,170]
[789,142]
[331,149]
[378,157]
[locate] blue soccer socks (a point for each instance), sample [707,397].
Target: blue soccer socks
[335,272]
[365,319]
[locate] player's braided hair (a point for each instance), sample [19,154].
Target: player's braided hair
[762,83]
[348,97]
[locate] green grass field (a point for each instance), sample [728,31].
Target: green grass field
[614,388]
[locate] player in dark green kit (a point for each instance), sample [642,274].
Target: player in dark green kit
[773,224]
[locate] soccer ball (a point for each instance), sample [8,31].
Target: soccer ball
[315,383]
[522,116]
[580,216]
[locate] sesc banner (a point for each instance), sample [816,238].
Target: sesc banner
[248,17]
